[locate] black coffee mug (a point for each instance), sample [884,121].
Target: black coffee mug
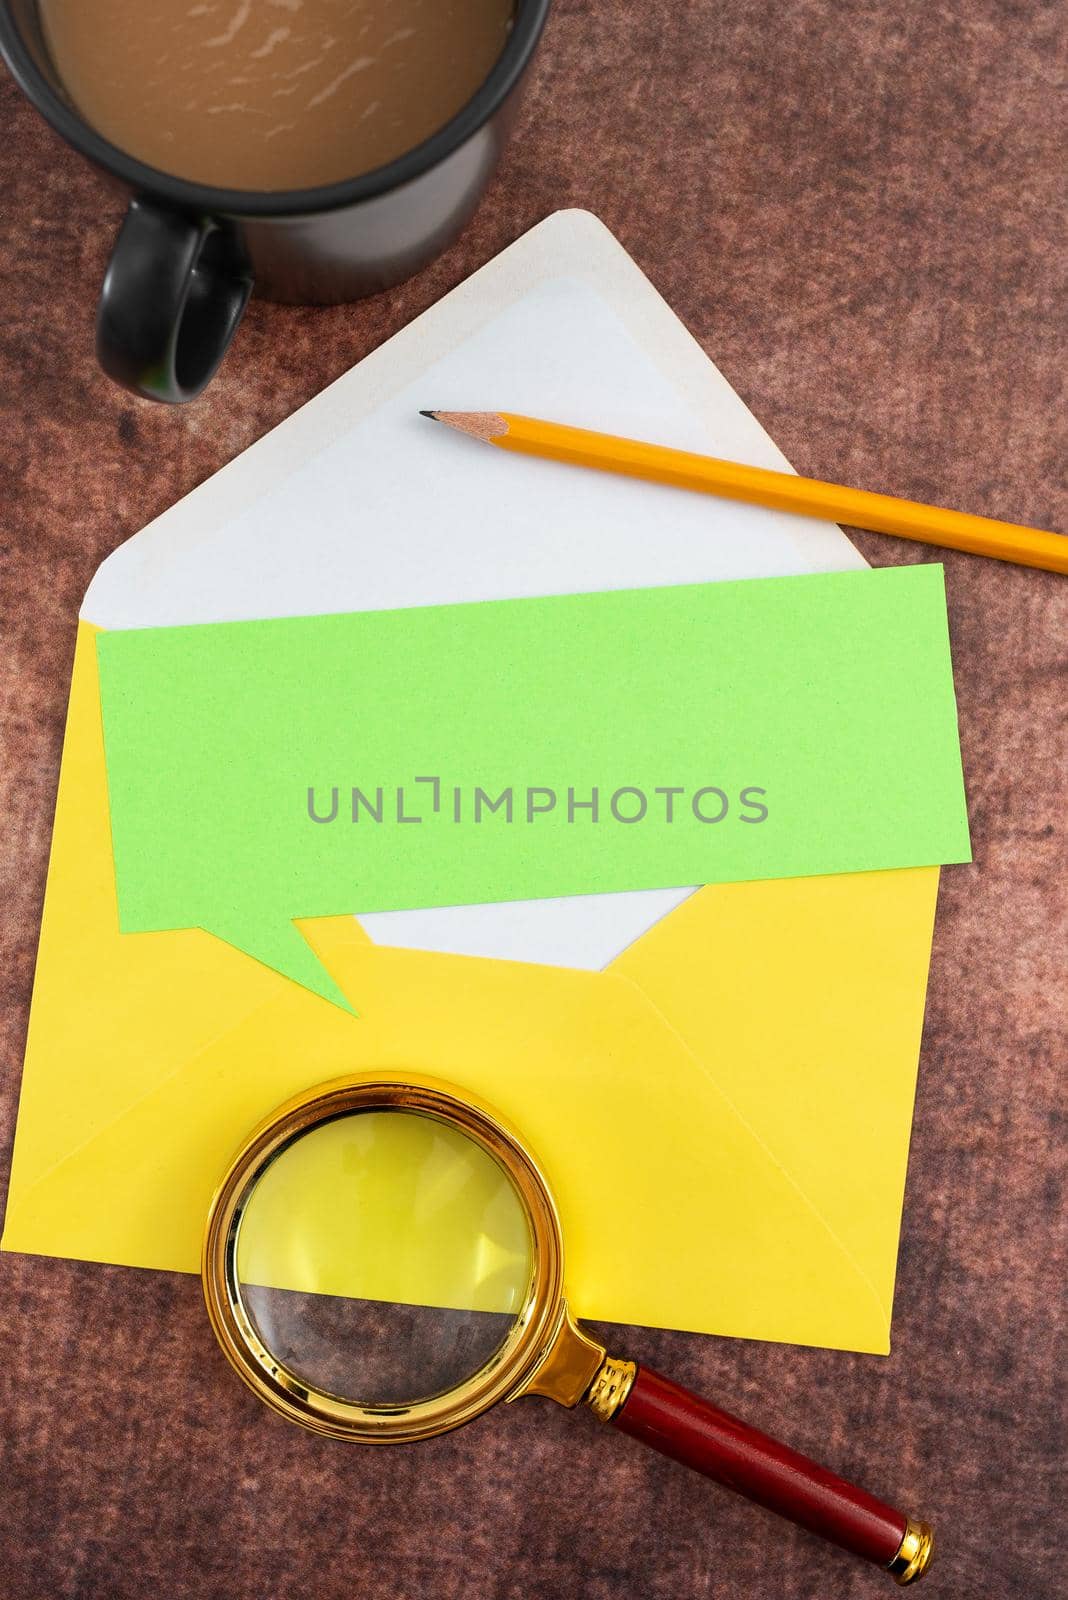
[188,255]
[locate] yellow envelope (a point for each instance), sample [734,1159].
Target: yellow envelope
[723,1113]
[724,1109]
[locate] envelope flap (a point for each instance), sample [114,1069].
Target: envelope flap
[356,503]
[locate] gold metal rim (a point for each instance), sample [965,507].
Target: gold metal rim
[511,1366]
[610,1389]
[914,1553]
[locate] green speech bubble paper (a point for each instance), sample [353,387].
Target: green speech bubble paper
[312,766]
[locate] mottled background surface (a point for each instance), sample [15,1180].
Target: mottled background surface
[860,212]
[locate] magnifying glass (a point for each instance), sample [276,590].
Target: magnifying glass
[384,1261]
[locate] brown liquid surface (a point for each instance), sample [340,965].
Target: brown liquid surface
[272,94]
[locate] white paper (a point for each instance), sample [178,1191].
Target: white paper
[357,503]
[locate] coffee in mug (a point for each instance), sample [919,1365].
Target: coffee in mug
[272,94]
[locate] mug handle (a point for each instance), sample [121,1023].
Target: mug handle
[173,295]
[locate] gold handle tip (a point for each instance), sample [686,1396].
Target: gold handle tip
[914,1553]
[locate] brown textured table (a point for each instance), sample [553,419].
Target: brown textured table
[860,212]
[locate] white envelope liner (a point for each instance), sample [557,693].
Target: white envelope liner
[356,503]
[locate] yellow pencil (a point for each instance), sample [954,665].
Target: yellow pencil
[1004,541]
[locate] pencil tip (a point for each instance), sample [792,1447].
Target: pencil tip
[479,424]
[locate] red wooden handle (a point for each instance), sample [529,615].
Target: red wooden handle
[678,1424]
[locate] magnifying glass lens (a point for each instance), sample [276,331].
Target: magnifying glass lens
[383,1257]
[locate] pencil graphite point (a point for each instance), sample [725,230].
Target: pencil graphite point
[486,425]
